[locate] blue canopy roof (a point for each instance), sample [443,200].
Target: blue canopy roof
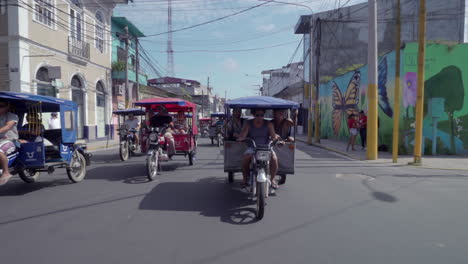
[264,102]
[134,111]
[219,114]
[48,103]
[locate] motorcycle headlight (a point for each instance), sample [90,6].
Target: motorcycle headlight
[153,136]
[263,155]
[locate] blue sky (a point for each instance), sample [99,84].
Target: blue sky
[233,72]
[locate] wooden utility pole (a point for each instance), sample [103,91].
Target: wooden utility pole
[310,91]
[317,83]
[137,69]
[127,92]
[420,94]
[396,116]
[373,111]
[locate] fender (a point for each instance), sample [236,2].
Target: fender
[86,155]
[261,175]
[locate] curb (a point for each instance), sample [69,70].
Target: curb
[356,158]
[101,147]
[330,149]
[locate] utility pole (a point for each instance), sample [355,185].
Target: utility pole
[203,103]
[396,107]
[420,94]
[309,92]
[372,125]
[137,70]
[127,92]
[208,96]
[317,83]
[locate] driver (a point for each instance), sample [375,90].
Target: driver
[260,130]
[133,125]
[8,134]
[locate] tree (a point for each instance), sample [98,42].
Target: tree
[448,84]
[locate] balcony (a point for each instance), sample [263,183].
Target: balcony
[78,49]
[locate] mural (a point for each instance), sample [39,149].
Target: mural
[347,94]
[445,128]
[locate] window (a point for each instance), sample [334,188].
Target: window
[99,36]
[76,25]
[132,61]
[44,12]
[68,120]
[100,96]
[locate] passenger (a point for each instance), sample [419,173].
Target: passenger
[234,126]
[133,123]
[8,134]
[33,130]
[260,130]
[282,125]
[161,119]
[180,125]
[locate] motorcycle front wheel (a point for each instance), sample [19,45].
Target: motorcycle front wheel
[260,200]
[124,151]
[152,165]
[28,176]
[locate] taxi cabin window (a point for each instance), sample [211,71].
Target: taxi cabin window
[68,120]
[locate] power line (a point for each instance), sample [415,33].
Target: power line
[210,21]
[222,51]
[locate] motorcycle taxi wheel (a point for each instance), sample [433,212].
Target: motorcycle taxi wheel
[282,179]
[28,176]
[230,177]
[76,171]
[261,190]
[152,165]
[190,156]
[124,151]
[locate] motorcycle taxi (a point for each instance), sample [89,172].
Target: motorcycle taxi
[127,146]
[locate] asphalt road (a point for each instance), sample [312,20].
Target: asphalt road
[334,210]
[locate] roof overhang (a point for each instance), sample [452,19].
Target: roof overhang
[303,25]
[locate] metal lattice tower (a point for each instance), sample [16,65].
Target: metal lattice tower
[170,51]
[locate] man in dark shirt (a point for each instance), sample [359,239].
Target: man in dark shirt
[363,128]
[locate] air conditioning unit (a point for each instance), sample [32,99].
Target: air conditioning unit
[119,89]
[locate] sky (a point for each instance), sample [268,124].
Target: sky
[232,52]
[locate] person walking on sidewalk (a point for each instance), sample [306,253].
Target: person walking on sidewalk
[363,128]
[353,131]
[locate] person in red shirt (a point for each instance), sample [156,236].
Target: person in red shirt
[353,131]
[363,128]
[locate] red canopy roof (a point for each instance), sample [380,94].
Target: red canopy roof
[172,104]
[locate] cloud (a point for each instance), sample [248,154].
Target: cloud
[230,65]
[266,28]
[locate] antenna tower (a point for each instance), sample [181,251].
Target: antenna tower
[170,51]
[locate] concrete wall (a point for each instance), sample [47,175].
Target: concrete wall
[345,31]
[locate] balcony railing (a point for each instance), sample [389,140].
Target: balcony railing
[78,48]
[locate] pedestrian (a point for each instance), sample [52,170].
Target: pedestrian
[363,128]
[54,122]
[352,126]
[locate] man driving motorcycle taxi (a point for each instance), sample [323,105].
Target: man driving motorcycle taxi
[133,124]
[261,131]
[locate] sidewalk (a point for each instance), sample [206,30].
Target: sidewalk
[443,162]
[102,144]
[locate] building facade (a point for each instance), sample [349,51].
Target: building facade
[61,48]
[122,96]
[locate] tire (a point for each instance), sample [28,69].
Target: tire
[212,140]
[230,177]
[190,158]
[28,176]
[124,151]
[76,171]
[218,141]
[282,179]
[152,165]
[260,200]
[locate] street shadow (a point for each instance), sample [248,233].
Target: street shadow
[16,187]
[211,197]
[379,195]
[132,173]
[112,158]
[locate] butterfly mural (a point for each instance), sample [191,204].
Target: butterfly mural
[383,96]
[345,105]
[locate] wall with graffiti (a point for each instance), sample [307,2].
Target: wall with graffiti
[446,106]
[347,95]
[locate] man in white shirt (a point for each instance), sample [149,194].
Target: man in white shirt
[133,124]
[54,122]
[8,133]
